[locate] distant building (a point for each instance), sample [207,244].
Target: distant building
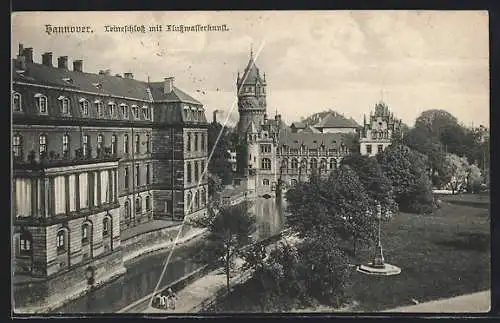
[93,155]
[232,160]
[378,130]
[336,123]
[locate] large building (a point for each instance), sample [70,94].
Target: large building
[93,155]
[271,152]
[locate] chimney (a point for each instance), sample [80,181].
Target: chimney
[128,76]
[47,59]
[78,65]
[168,85]
[215,116]
[28,53]
[21,49]
[62,62]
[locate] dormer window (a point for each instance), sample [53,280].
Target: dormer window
[145,112]
[124,110]
[112,107]
[135,111]
[84,107]
[41,103]
[98,106]
[65,105]
[68,80]
[16,102]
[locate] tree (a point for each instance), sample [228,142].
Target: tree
[459,169]
[435,121]
[475,179]
[407,172]
[229,229]
[376,184]
[219,144]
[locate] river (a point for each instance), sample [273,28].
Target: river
[143,273]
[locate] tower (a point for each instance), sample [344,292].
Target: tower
[251,91]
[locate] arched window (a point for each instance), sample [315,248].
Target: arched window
[188,202]
[303,163]
[65,145]
[202,142]
[333,163]
[85,145]
[323,164]
[189,172]
[124,110]
[112,107]
[105,226]
[125,143]
[196,172]
[137,143]
[203,197]
[126,208]
[295,163]
[195,142]
[265,182]
[85,233]
[293,182]
[196,200]
[25,243]
[138,205]
[284,164]
[61,240]
[65,105]
[43,145]
[16,102]
[188,144]
[148,142]
[41,103]
[17,146]
[148,203]
[266,163]
[100,142]
[84,107]
[314,163]
[114,144]
[98,107]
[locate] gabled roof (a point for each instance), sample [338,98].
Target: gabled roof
[336,120]
[315,140]
[175,96]
[298,125]
[311,129]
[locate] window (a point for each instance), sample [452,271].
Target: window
[380,148]
[43,145]
[188,172]
[148,174]
[188,145]
[138,205]
[65,145]
[148,143]
[265,148]
[17,147]
[126,177]
[16,102]
[126,207]
[266,163]
[137,175]
[98,107]
[195,142]
[333,163]
[100,142]
[61,241]
[202,170]
[137,143]
[148,203]
[112,108]
[85,233]
[41,102]
[265,182]
[196,200]
[284,164]
[188,202]
[314,163]
[105,226]
[85,145]
[369,149]
[113,144]
[135,111]
[323,164]
[203,197]
[196,172]
[25,242]
[293,182]
[295,163]
[84,107]
[145,112]
[202,142]
[65,106]
[125,143]
[125,111]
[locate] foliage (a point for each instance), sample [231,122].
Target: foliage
[229,229]
[376,184]
[475,179]
[407,172]
[435,121]
[459,170]
[219,143]
[337,205]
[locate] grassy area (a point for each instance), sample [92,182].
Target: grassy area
[441,255]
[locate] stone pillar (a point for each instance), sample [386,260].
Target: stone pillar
[97,183]
[77,191]
[66,192]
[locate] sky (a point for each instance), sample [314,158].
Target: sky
[346,61]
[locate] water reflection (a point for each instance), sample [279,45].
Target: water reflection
[143,274]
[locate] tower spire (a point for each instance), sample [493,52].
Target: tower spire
[251,51]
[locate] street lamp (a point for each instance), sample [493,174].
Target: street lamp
[378,261]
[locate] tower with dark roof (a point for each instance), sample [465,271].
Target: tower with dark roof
[251,90]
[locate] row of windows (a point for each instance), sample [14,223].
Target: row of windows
[26,239]
[17,144]
[198,140]
[138,207]
[382,134]
[257,90]
[380,148]
[313,163]
[265,148]
[196,201]
[64,104]
[197,168]
[137,176]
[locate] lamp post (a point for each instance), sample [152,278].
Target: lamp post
[378,261]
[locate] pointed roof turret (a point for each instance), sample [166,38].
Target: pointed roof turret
[251,74]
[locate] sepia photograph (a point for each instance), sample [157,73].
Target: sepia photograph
[215,162]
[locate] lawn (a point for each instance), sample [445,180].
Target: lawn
[441,255]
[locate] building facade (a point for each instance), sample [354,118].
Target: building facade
[93,155]
[378,130]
